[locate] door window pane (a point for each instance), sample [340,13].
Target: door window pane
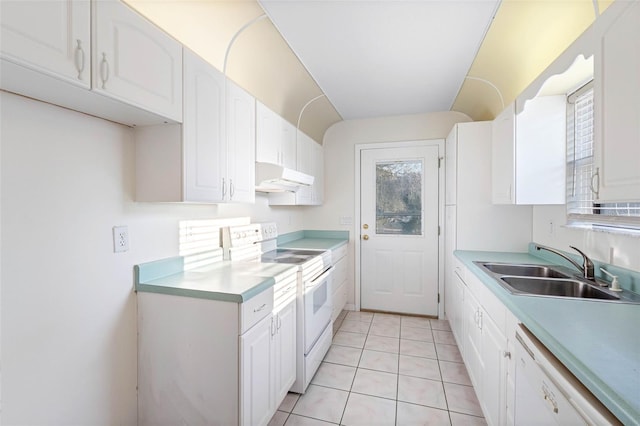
[399,197]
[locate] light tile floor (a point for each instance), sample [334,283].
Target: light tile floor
[385,369]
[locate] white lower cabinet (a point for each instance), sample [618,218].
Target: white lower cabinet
[284,357]
[268,354]
[482,327]
[213,362]
[340,280]
[256,352]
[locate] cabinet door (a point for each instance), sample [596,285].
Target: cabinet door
[268,129]
[285,351]
[288,145]
[502,156]
[204,150]
[304,196]
[134,61]
[318,174]
[493,393]
[256,396]
[52,37]
[473,341]
[241,143]
[617,147]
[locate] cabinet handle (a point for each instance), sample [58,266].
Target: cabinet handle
[279,322]
[104,70]
[595,188]
[273,328]
[232,189]
[479,319]
[506,354]
[79,59]
[224,188]
[260,308]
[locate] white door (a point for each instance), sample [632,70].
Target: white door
[399,239]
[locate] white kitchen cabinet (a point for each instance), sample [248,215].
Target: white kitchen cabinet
[240,144]
[275,138]
[486,349]
[256,373]
[49,52]
[284,353]
[206,159]
[528,153]
[134,61]
[616,109]
[340,280]
[186,162]
[207,361]
[51,37]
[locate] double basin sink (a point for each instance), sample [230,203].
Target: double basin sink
[551,281]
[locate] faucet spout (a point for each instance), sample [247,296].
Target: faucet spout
[586,268]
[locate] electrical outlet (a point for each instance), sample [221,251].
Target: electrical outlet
[120,239]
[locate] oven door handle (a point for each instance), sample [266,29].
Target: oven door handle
[320,277]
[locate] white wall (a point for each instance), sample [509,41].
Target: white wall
[339,142]
[549,229]
[68,311]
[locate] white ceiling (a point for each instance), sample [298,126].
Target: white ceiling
[385,57]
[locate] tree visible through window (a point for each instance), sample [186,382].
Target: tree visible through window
[399,197]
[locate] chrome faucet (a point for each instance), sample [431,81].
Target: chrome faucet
[586,268]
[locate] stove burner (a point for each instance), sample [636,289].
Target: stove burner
[294,257]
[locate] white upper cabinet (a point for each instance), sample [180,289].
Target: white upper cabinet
[275,138]
[65,52]
[210,158]
[529,153]
[204,150]
[241,143]
[617,109]
[135,61]
[51,37]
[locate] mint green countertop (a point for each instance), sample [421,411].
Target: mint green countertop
[597,341]
[314,240]
[226,281]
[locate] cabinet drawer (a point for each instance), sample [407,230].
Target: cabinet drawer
[339,253]
[256,308]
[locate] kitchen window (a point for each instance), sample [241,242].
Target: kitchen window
[582,209]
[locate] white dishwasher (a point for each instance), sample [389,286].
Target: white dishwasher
[546,391]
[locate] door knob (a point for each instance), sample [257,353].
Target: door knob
[365,226]
[365,237]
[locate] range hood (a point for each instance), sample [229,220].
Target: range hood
[275,178]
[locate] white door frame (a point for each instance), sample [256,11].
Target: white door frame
[358,222]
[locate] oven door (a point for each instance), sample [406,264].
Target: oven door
[317,307]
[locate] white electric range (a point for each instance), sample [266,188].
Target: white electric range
[314,289]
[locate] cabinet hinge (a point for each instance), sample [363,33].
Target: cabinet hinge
[440,161]
[438,297]
[438,230]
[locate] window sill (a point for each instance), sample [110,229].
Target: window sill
[608,229]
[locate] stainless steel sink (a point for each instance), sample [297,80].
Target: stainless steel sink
[524,270]
[559,287]
[551,281]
